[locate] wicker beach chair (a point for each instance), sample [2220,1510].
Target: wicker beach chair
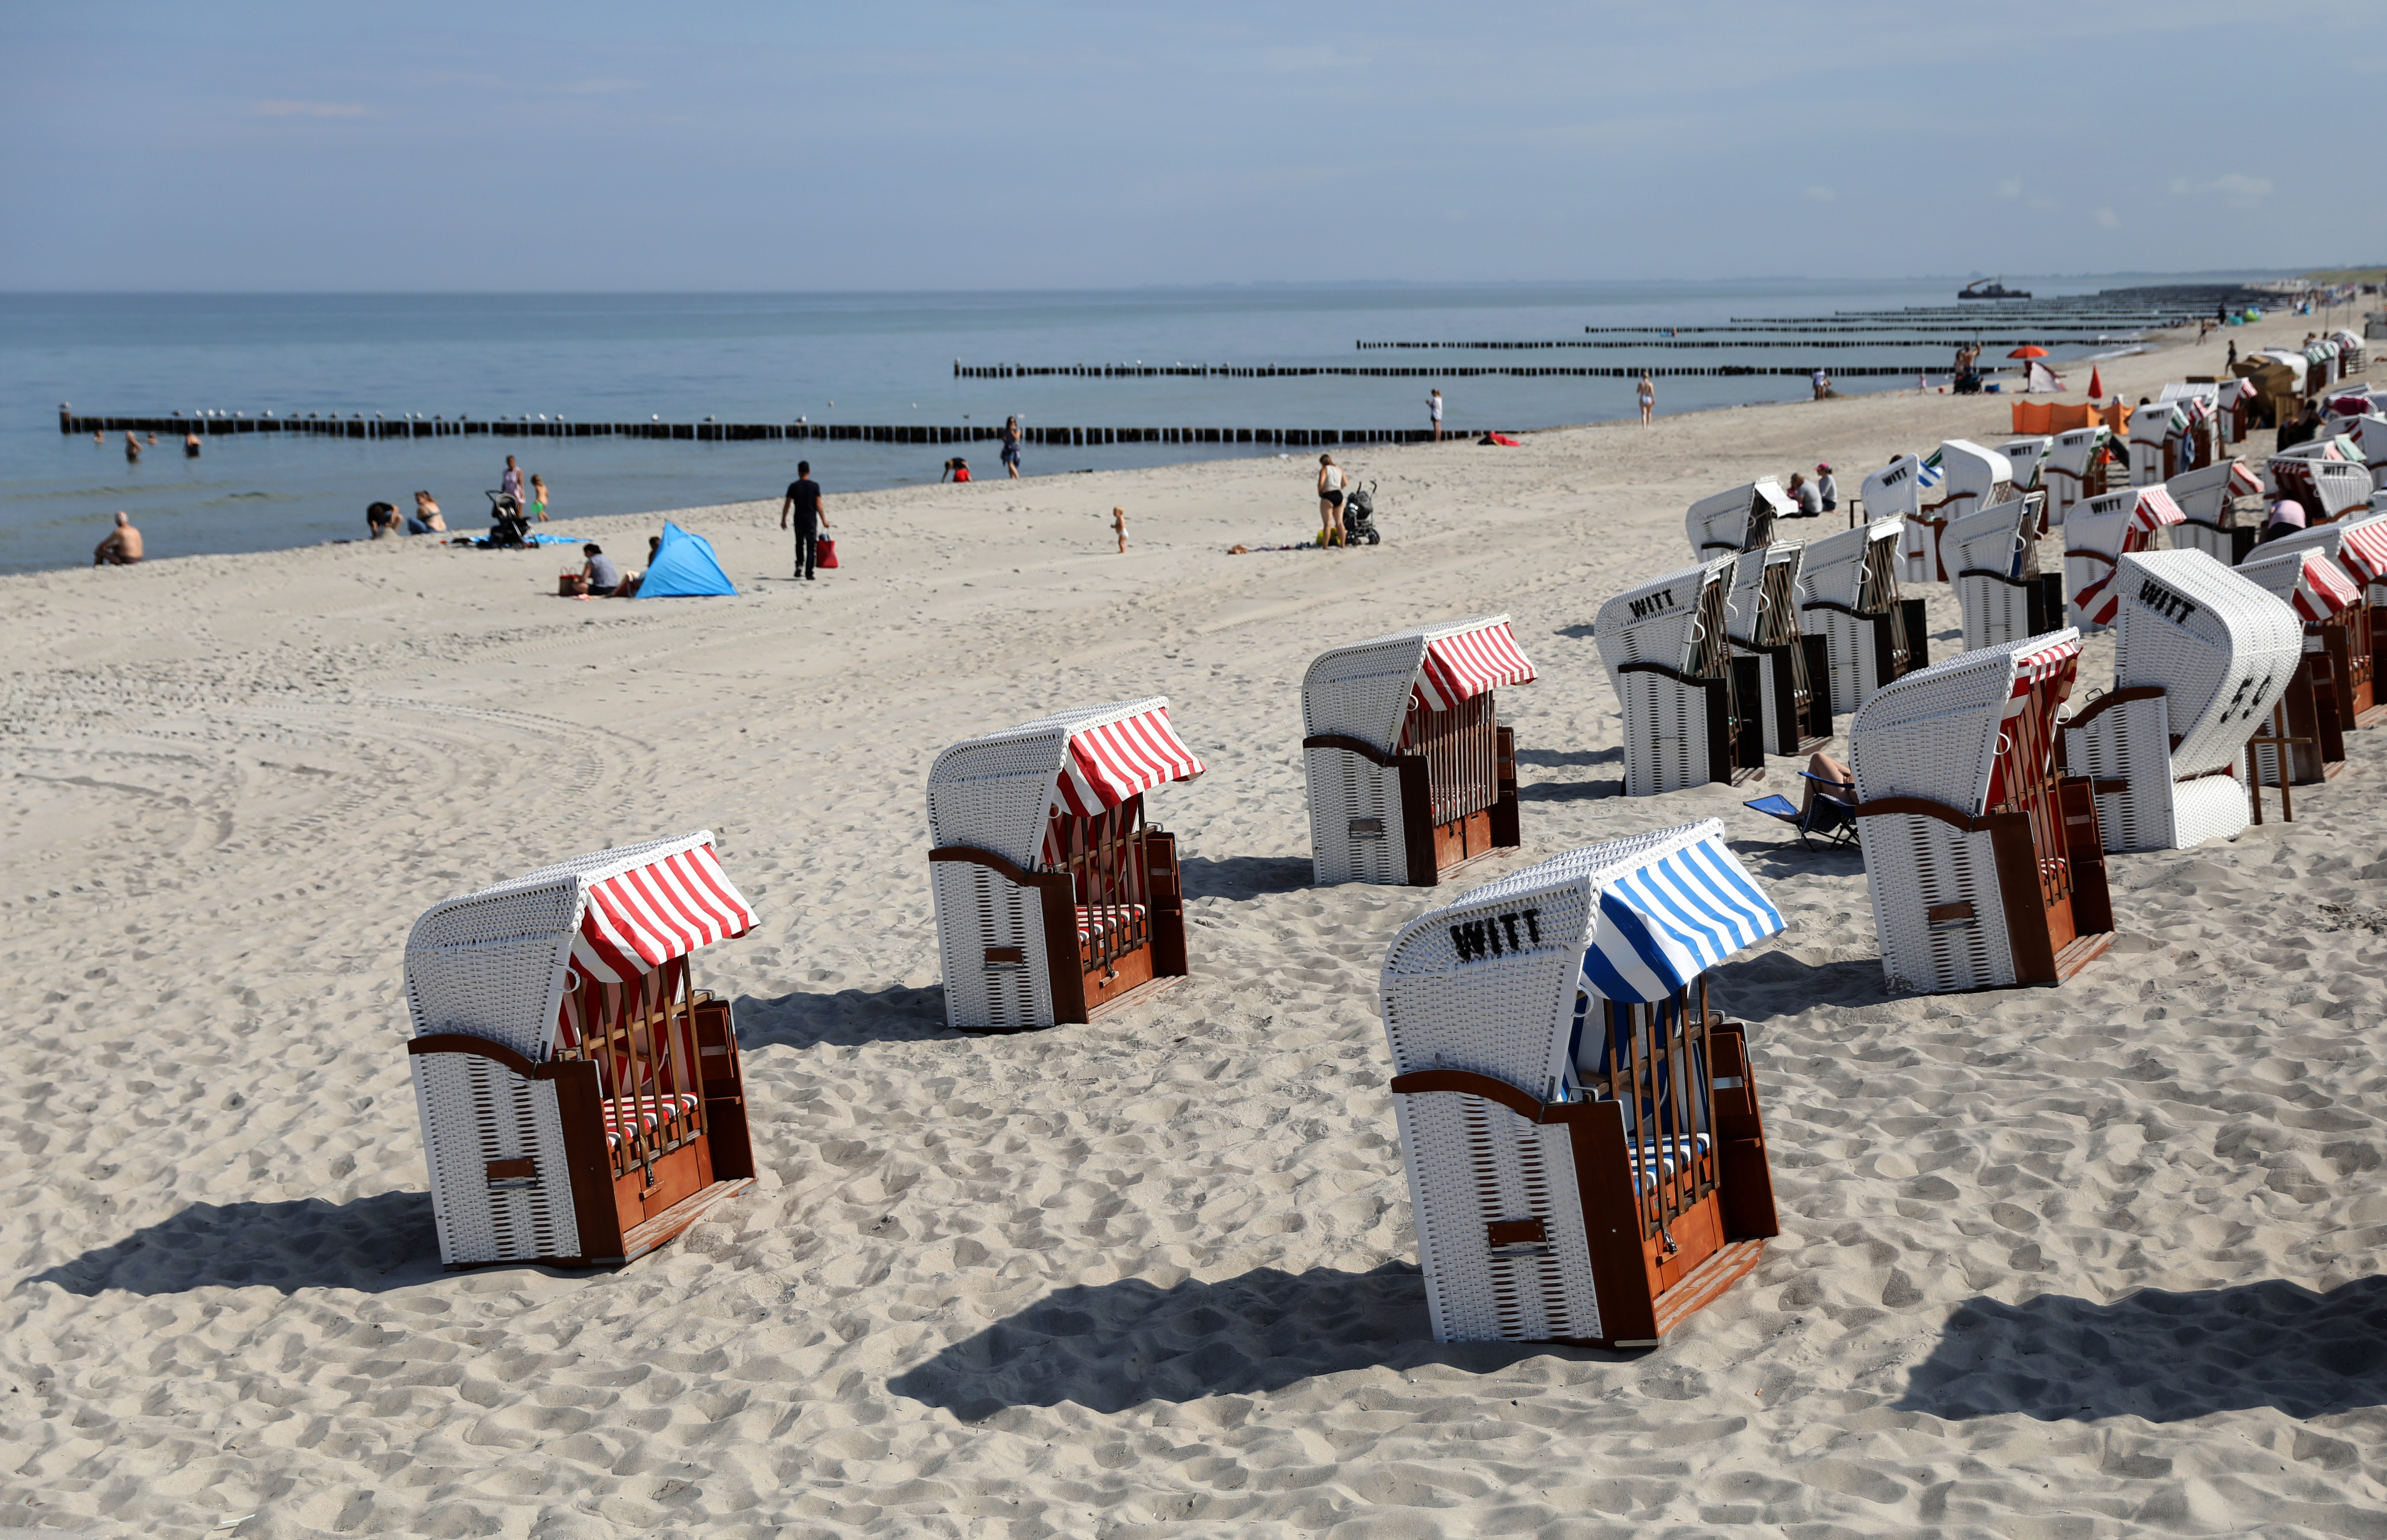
[2098,535]
[1689,708]
[2201,657]
[2028,456]
[581,1103]
[1742,519]
[1851,597]
[1993,555]
[1970,478]
[2326,482]
[2207,500]
[1794,691]
[1896,491]
[2357,544]
[1983,864]
[1055,901]
[1410,773]
[1586,1154]
[2077,464]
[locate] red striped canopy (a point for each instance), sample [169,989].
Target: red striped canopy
[642,918]
[2362,550]
[2154,507]
[2043,682]
[1463,665]
[1118,760]
[2243,482]
[2323,589]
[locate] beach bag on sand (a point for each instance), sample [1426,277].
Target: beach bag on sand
[827,555]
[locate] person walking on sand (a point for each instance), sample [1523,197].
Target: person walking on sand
[122,546]
[539,499]
[1329,501]
[802,505]
[1011,447]
[1118,528]
[1433,410]
[1649,394]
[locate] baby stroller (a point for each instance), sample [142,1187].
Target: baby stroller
[508,529]
[1359,516]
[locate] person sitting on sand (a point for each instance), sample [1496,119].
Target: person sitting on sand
[426,520]
[1802,492]
[381,520]
[1827,491]
[2287,518]
[957,470]
[122,546]
[1832,777]
[604,577]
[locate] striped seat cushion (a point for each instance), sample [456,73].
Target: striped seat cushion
[648,1111]
[1093,923]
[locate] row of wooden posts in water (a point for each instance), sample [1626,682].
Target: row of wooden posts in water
[898,433]
[1406,372]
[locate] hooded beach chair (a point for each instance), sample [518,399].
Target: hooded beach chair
[1850,599]
[2098,535]
[2327,481]
[1896,491]
[1742,519]
[1992,559]
[1794,693]
[2077,468]
[2196,439]
[1410,773]
[2158,432]
[1586,1155]
[2337,689]
[582,1102]
[1970,478]
[1055,901]
[2201,657]
[1984,866]
[2028,457]
[2207,500]
[1689,716]
[2358,544]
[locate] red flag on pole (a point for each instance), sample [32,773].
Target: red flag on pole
[2096,386]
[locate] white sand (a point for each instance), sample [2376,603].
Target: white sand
[2099,1260]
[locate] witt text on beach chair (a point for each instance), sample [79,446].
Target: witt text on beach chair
[1742,519]
[1983,864]
[1410,773]
[1055,901]
[1850,599]
[581,1103]
[2201,656]
[1690,711]
[2323,703]
[1993,557]
[2099,534]
[2327,488]
[1586,1160]
[1794,691]
[2076,469]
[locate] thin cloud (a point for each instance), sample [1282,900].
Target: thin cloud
[2110,219]
[2236,186]
[1821,195]
[2009,189]
[309,109]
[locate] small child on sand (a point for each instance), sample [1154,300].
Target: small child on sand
[1118,528]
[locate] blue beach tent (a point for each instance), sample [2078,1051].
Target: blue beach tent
[684,567]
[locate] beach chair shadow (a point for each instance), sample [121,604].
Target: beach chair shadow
[1242,877]
[846,1017]
[1571,791]
[2163,1357]
[1110,1347]
[370,1245]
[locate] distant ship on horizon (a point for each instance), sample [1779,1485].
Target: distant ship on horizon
[1991,288]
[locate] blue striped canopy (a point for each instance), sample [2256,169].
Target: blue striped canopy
[1663,924]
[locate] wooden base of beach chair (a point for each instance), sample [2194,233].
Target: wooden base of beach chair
[1397,837]
[2316,727]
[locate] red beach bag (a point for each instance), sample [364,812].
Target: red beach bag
[827,555]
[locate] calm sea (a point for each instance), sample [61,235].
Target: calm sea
[842,358]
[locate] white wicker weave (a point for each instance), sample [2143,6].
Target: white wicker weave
[2222,651]
[2329,539]
[494,965]
[1750,626]
[1835,571]
[1999,541]
[2208,500]
[1666,742]
[1970,477]
[2067,473]
[1934,734]
[1896,490]
[1509,1015]
[2329,489]
[996,794]
[2094,539]
[2157,431]
[2028,456]
[1363,691]
[1737,521]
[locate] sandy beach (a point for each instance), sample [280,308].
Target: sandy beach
[2099,1260]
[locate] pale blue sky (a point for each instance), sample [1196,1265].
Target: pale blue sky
[436,145]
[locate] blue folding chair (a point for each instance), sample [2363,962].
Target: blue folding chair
[1831,815]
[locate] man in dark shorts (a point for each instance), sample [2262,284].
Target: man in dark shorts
[803,504]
